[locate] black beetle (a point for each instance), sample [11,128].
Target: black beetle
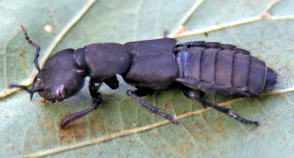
[150,65]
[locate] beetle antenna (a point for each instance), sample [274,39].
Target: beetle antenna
[31,91]
[37,46]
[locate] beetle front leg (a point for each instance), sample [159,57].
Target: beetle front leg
[95,103]
[140,92]
[192,95]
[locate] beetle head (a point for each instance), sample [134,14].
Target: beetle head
[46,93]
[60,78]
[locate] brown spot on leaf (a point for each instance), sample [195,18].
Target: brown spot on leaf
[61,137]
[167,106]
[22,54]
[220,134]
[22,60]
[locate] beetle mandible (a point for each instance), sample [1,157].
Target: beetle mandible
[149,65]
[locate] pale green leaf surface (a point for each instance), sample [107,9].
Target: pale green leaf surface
[28,127]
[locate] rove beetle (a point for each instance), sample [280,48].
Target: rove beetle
[149,65]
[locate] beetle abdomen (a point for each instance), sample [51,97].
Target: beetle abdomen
[224,69]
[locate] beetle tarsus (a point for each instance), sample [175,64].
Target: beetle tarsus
[152,108]
[65,121]
[242,120]
[192,95]
[95,103]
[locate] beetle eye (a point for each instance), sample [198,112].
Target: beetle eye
[61,91]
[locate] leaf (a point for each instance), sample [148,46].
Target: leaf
[121,127]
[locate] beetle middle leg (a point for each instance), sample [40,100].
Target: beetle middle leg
[192,95]
[142,92]
[95,103]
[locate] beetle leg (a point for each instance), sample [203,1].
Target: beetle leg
[112,82]
[95,103]
[192,95]
[156,110]
[141,92]
[201,94]
[94,86]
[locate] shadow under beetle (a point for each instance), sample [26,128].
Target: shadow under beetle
[209,67]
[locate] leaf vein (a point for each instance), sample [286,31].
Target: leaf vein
[187,16]
[230,24]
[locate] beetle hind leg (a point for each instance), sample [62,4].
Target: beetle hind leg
[140,92]
[192,95]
